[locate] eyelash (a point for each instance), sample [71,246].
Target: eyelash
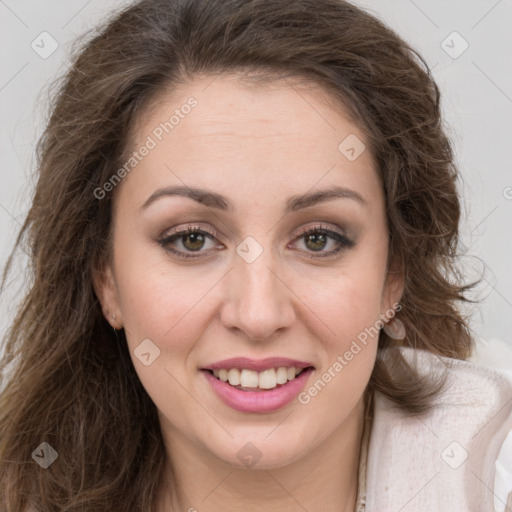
[343,241]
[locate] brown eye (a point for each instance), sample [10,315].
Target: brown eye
[193,241]
[316,241]
[189,240]
[319,238]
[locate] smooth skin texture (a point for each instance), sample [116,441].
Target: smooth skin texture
[256,146]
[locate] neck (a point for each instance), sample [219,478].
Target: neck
[325,478]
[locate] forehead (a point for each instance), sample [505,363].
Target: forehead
[230,105]
[250,139]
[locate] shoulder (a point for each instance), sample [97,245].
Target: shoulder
[445,459]
[471,382]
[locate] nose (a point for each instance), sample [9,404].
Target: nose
[259,300]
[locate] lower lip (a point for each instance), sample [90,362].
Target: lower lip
[258,401]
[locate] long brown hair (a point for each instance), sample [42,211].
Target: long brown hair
[71,382]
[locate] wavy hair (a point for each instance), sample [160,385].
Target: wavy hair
[69,377]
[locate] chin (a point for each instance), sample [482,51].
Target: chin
[259,452]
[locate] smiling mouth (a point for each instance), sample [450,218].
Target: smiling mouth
[253,381]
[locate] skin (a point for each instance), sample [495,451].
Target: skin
[257,147]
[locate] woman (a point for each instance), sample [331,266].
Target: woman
[244,293]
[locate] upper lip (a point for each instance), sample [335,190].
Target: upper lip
[257,365]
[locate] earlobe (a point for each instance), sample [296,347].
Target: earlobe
[106,290]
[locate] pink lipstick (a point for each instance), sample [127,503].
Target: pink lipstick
[258,386]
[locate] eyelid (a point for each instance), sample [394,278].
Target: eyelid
[321,227]
[183,229]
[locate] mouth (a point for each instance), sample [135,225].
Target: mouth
[249,380]
[264,388]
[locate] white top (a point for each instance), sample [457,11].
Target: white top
[445,460]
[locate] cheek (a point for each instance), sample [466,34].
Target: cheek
[156,302]
[347,301]
[165,311]
[161,308]
[347,325]
[349,336]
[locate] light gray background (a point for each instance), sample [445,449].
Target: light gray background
[477,101]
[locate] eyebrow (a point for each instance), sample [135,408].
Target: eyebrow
[293,203]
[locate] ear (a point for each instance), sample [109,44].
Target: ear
[393,288]
[106,290]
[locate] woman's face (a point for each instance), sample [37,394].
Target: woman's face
[252,172]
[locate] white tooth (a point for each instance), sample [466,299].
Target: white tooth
[249,379]
[223,375]
[290,373]
[234,376]
[297,371]
[267,379]
[282,375]
[216,373]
